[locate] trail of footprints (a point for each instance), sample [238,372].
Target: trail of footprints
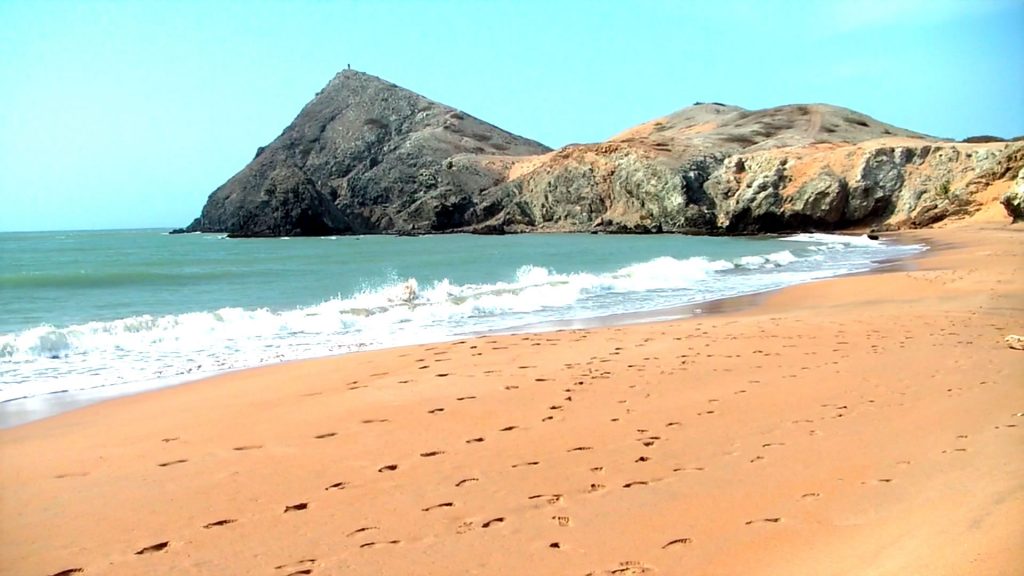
[645,439]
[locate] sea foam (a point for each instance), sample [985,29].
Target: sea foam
[176,347]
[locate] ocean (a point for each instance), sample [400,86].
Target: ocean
[110,312]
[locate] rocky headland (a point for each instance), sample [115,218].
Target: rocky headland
[366,156]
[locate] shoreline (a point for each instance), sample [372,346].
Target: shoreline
[854,425]
[20,411]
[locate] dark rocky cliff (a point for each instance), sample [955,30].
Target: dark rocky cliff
[366,156]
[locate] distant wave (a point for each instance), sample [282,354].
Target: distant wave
[90,279]
[836,239]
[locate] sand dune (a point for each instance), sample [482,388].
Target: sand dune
[863,425]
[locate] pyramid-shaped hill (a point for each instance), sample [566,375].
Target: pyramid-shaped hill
[364,156]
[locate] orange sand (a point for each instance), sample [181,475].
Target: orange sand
[865,425]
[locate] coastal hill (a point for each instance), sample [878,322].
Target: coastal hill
[363,156]
[366,156]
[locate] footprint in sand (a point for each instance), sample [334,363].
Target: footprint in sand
[461,398]
[521,464]
[435,411]
[630,568]
[223,522]
[596,488]
[248,447]
[677,542]
[474,440]
[465,481]
[492,522]
[375,421]
[68,572]
[384,543]
[769,520]
[563,521]
[296,507]
[166,440]
[508,428]
[325,435]
[337,486]
[171,463]
[549,498]
[441,505]
[431,453]
[643,459]
[635,483]
[153,548]
[361,530]
[579,449]
[388,468]
[298,564]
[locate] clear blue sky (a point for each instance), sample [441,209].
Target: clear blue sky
[128,114]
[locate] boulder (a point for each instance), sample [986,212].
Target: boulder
[1013,200]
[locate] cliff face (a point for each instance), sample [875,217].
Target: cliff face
[368,157]
[720,169]
[364,156]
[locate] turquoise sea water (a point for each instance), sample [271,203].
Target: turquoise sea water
[86,310]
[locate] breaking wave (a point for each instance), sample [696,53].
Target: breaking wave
[177,347]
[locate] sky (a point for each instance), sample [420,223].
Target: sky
[129,114]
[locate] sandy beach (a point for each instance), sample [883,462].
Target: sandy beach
[870,424]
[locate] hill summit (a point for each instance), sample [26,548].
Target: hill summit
[363,156]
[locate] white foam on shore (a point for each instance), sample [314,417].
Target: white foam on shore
[141,350]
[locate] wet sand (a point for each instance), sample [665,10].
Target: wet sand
[868,424]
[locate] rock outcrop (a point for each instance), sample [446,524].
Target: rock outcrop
[713,168]
[364,156]
[1013,200]
[368,157]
